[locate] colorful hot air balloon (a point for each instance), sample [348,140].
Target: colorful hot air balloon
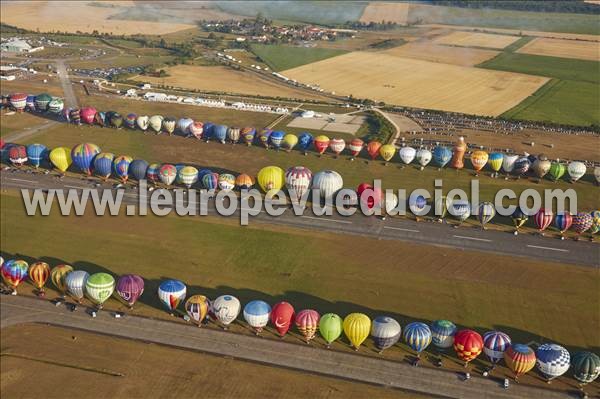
[563,222]
[461,210]
[355,146]
[385,332]
[276,138]
[495,161]
[188,176]
[336,146]
[138,169]
[171,293]
[244,182]
[442,334]
[418,336]
[263,137]
[557,170]
[184,124]
[282,317]
[99,287]
[423,157]
[330,327]
[61,158]
[75,116]
[542,219]
[485,213]
[13,272]
[368,196]
[576,170]
[75,282]
[582,222]
[289,142]
[248,134]
[441,156]
[468,345]
[220,133]
[103,164]
[357,327]
[233,134]
[521,166]
[83,156]
[478,160]
[458,153]
[387,152]
[520,359]
[305,140]
[130,288]
[226,182]
[328,183]
[58,276]
[585,367]
[373,149]
[130,120]
[226,309]
[152,172]
[142,122]
[167,174]
[197,307]
[321,143]
[88,114]
[495,343]
[298,180]
[121,167]
[17,154]
[210,180]
[271,178]
[36,153]
[256,314]
[169,124]
[38,274]
[307,322]
[407,154]
[519,218]
[552,360]
[18,101]
[595,222]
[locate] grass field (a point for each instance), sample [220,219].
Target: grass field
[474,39]
[281,57]
[563,48]
[150,371]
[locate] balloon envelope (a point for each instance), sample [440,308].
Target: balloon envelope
[442,333]
[58,276]
[282,317]
[441,156]
[585,366]
[226,309]
[14,271]
[83,156]
[417,335]
[130,288]
[357,327]
[99,287]
[171,293]
[307,322]
[495,343]
[328,183]
[519,358]
[385,332]
[271,178]
[39,273]
[468,345]
[75,282]
[298,180]
[36,153]
[61,158]
[197,307]
[552,360]
[330,327]
[256,314]
[138,169]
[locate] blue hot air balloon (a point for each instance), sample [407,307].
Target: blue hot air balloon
[171,293]
[103,164]
[36,153]
[442,334]
[305,141]
[220,133]
[276,138]
[552,360]
[208,130]
[256,314]
[441,156]
[83,156]
[121,167]
[418,336]
[30,103]
[138,168]
[210,181]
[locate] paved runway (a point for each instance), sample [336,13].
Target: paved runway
[355,367]
[583,253]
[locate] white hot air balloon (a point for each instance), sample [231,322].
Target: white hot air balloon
[391,202]
[183,125]
[597,174]
[328,182]
[385,332]
[407,154]
[257,314]
[508,162]
[423,157]
[226,309]
[552,360]
[75,282]
[576,170]
[298,179]
[143,121]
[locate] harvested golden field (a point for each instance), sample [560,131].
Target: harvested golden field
[420,84]
[379,11]
[428,51]
[73,16]
[563,48]
[224,79]
[474,39]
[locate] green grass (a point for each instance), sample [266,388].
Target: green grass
[282,57]
[511,48]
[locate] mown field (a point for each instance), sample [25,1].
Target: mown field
[282,57]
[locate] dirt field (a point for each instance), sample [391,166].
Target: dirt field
[224,79]
[149,371]
[472,39]
[563,48]
[418,83]
[428,51]
[73,16]
[379,11]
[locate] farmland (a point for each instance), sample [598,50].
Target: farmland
[473,39]
[282,57]
[563,48]
[379,11]
[428,51]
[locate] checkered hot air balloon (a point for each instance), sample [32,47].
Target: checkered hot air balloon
[520,359]
[542,219]
[468,344]
[495,343]
[582,223]
[417,335]
[552,360]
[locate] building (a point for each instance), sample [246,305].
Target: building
[19,46]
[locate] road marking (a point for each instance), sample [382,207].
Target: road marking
[473,238]
[77,187]
[22,180]
[548,248]
[401,229]
[327,220]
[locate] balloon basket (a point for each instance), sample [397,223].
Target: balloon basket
[516,233]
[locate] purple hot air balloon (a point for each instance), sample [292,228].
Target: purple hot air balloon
[129,288]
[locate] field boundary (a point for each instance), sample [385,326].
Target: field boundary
[533,98]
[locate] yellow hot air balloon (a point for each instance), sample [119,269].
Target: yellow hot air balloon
[289,141]
[479,159]
[271,178]
[197,308]
[58,274]
[387,152]
[38,274]
[357,327]
[61,158]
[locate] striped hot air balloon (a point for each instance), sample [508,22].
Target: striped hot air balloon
[58,276]
[129,288]
[563,222]
[542,219]
[385,332]
[121,167]
[210,180]
[100,119]
[83,156]
[585,367]
[171,293]
[307,322]
[226,182]
[233,134]
[520,359]
[36,153]
[485,213]
[138,169]
[103,164]
[417,335]
[495,343]
[557,170]
[298,180]
[355,146]
[327,183]
[219,133]
[41,101]
[13,272]
[168,125]
[18,101]
[442,334]
[75,282]
[197,307]
[38,274]
[468,345]
[188,176]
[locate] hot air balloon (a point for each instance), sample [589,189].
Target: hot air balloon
[103,164]
[130,120]
[368,196]
[29,103]
[541,166]
[42,101]
[88,115]
[520,359]
[390,203]
[595,223]
[36,153]
[58,276]
[18,101]
[38,274]
[357,327]
[373,149]
[155,122]
[210,181]
[130,288]
[585,367]
[207,130]
[582,222]
[418,336]
[142,122]
[495,160]
[328,183]
[13,272]
[264,136]
[563,222]
[289,142]
[508,163]
[478,160]
[495,343]
[256,314]
[330,327]
[557,170]
[152,172]
[485,213]
[282,317]
[305,140]
[276,139]
[226,309]
[75,116]
[121,167]
[576,170]
[468,345]
[307,322]
[188,176]
[597,174]
[75,282]
[116,120]
[220,133]
[226,182]
[100,118]
[197,308]
[233,134]
[167,174]
[337,145]
[542,219]
[196,129]
[519,218]
[521,166]
[385,332]
[441,156]
[417,205]
[56,106]
[17,154]
[168,125]
[458,153]
[461,210]
[61,158]
[171,293]
[248,134]
[423,157]
[442,334]
[552,360]
[83,156]
[184,124]
[387,152]
[244,182]
[355,146]
[298,179]
[99,287]
[407,154]
[271,178]
[321,144]
[138,169]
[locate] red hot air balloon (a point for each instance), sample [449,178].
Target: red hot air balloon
[468,345]
[543,219]
[355,147]
[369,196]
[88,115]
[17,155]
[321,144]
[282,317]
[373,149]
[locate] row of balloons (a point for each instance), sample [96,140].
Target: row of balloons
[441,155]
[552,360]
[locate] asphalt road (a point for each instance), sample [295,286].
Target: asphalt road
[583,253]
[70,98]
[354,367]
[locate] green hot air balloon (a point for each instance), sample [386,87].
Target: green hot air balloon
[585,367]
[557,170]
[331,327]
[99,287]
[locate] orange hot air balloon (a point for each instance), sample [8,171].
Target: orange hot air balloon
[479,160]
[458,155]
[321,144]
[38,274]
[520,359]
[282,317]
[468,345]
[373,149]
